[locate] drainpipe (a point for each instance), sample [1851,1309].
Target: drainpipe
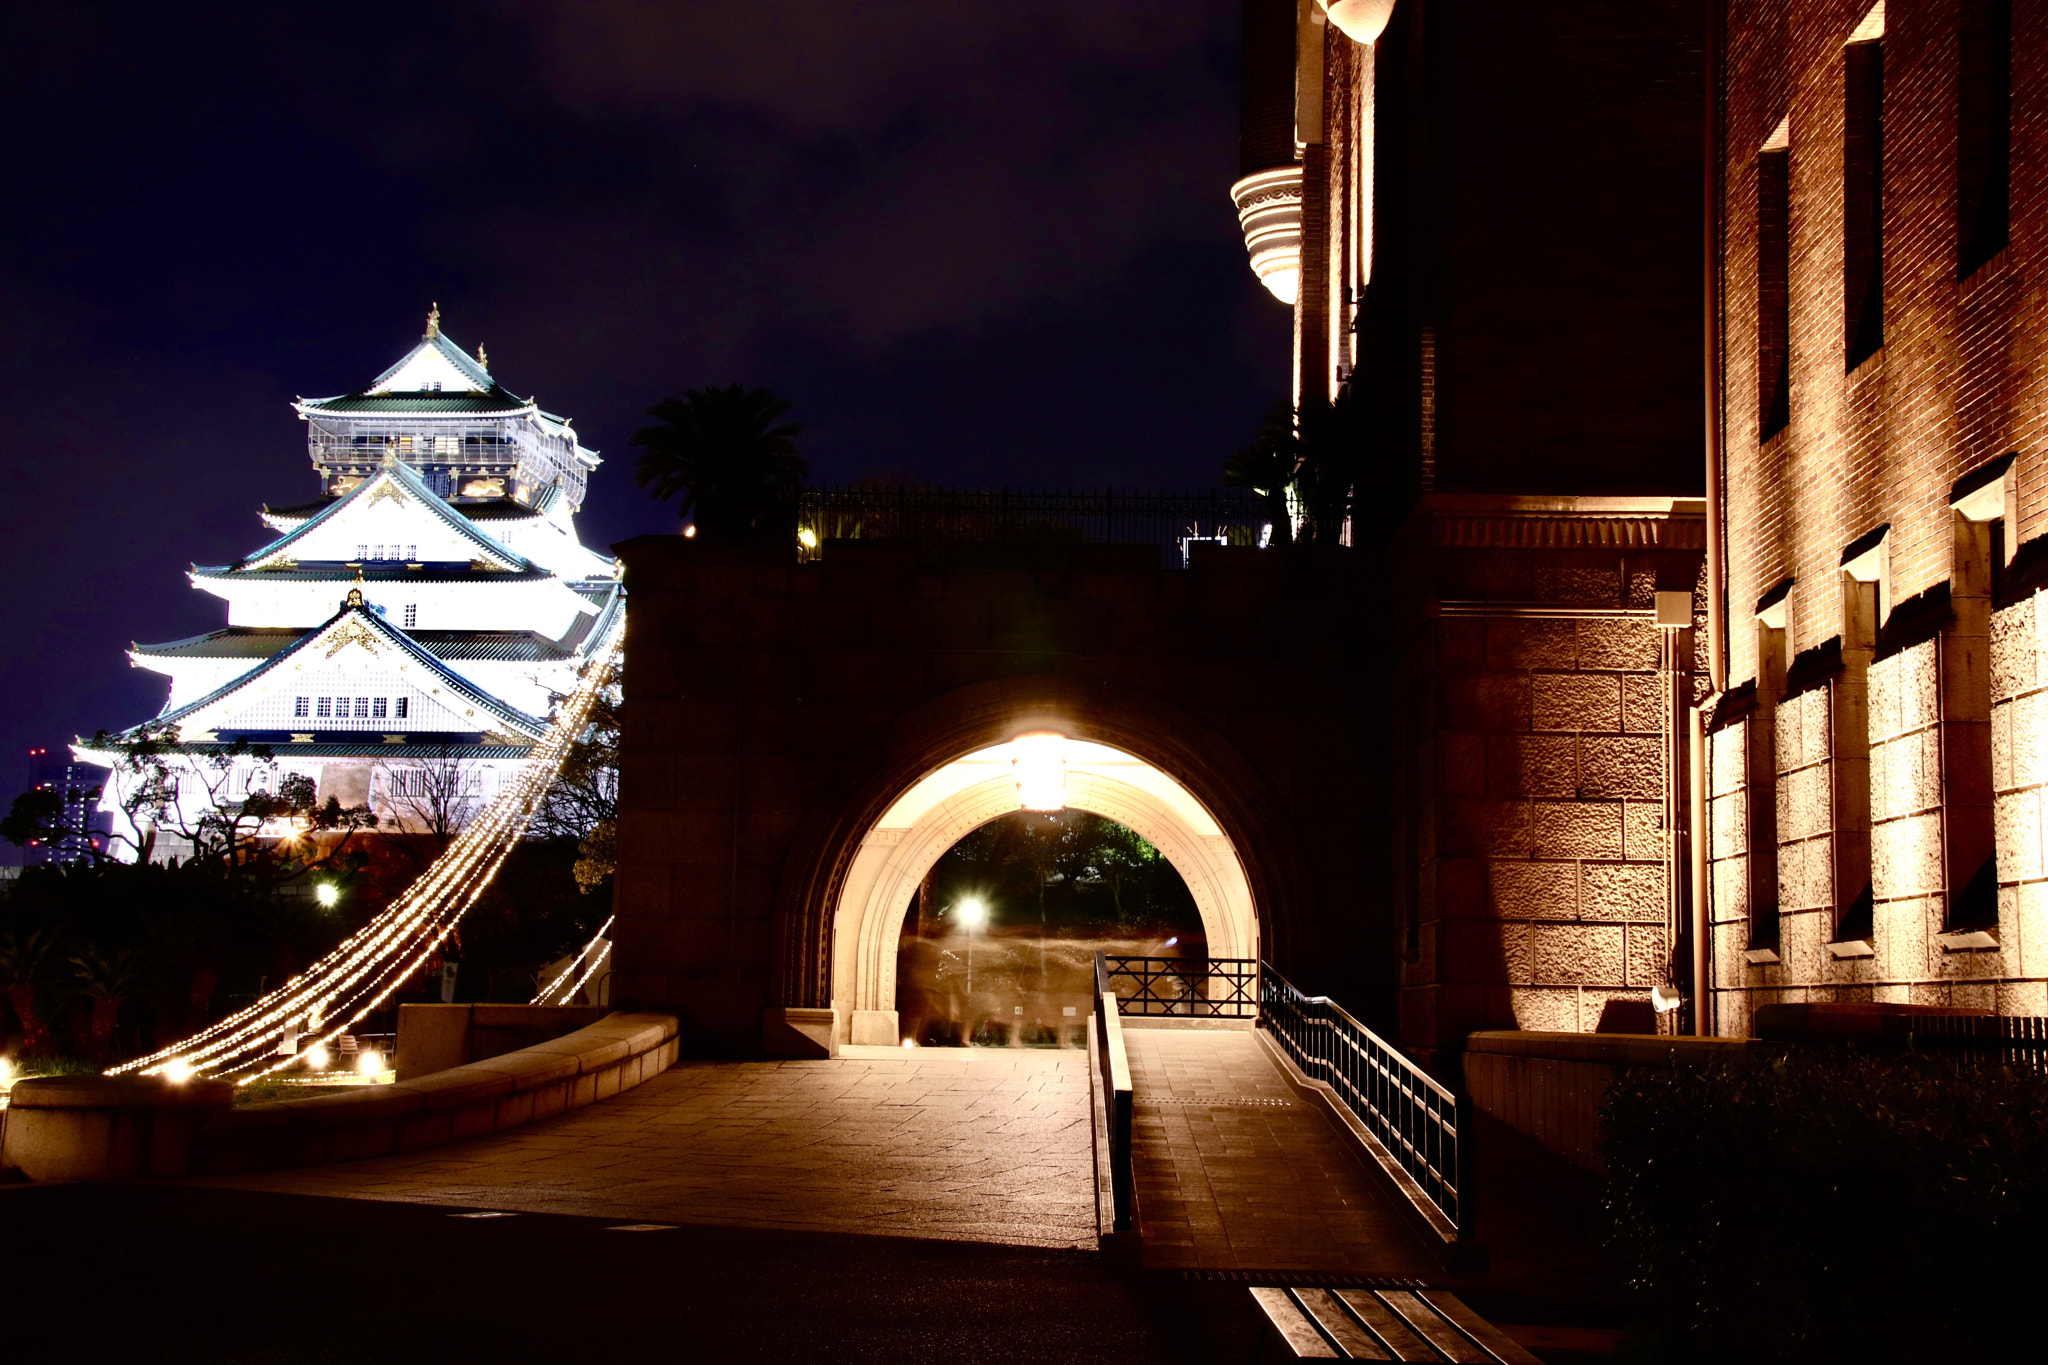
[1703,1022]
[1717,521]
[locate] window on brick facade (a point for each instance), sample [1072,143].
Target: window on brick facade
[1862,200]
[1773,300]
[1983,131]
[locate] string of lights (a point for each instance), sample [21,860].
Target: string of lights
[355,978]
[541,997]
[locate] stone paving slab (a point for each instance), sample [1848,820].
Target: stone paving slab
[982,1144]
[1227,1185]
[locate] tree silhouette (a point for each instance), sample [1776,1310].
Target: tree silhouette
[1267,466]
[722,453]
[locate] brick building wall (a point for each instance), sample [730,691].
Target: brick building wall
[1501,243]
[1874,830]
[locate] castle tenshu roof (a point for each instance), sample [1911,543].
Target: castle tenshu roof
[414,489]
[352,613]
[487,646]
[434,377]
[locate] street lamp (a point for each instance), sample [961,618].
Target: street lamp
[327,894]
[971,913]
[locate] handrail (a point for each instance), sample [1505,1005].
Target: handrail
[1424,1126]
[1202,988]
[1113,1072]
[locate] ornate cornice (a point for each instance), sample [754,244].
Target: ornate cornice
[1524,531]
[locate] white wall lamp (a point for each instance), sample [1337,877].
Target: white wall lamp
[1039,763]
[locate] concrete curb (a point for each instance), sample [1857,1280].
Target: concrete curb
[114,1136]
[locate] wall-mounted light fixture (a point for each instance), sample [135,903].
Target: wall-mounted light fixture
[1039,762]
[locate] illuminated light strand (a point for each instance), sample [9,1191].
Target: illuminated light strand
[603,957]
[367,967]
[540,997]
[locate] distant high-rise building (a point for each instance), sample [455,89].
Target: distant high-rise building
[76,785]
[400,638]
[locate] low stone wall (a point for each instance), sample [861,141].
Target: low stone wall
[1550,1086]
[100,1128]
[436,1037]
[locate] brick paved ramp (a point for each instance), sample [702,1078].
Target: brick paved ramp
[981,1144]
[1234,1172]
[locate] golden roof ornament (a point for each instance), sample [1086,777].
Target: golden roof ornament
[355,595]
[434,320]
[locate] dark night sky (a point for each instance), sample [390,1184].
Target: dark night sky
[979,244]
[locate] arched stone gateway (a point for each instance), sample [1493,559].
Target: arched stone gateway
[943,768]
[918,828]
[782,714]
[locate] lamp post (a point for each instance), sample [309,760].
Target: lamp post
[971,912]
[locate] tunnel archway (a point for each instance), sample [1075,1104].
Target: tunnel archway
[914,832]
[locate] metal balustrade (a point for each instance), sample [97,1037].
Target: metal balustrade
[1200,988]
[1104,516]
[1422,1125]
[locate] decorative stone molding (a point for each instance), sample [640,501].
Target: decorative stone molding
[1568,532]
[1269,209]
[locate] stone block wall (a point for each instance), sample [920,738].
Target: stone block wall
[1536,785]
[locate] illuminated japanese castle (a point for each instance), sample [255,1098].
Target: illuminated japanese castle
[424,609]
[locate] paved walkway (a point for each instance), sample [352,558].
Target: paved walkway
[1236,1173]
[975,1144]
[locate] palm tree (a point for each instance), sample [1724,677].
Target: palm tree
[1332,443]
[107,976]
[736,471]
[24,953]
[1267,467]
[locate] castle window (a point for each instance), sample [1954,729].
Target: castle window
[377,705]
[302,706]
[1863,191]
[362,708]
[412,552]
[412,615]
[362,552]
[403,707]
[376,552]
[325,707]
[1983,132]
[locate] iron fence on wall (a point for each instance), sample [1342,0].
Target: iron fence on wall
[1202,988]
[2018,1042]
[1169,520]
[1423,1125]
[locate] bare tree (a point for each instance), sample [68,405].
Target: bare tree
[436,795]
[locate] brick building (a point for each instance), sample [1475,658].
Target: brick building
[1486,217]
[1877,748]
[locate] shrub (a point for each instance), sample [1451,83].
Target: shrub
[1825,1205]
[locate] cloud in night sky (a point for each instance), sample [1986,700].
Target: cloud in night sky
[973,244]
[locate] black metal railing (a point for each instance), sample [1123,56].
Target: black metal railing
[1423,1126]
[1202,988]
[1113,1075]
[1169,520]
[2019,1042]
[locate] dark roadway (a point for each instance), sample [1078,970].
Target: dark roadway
[169,1274]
